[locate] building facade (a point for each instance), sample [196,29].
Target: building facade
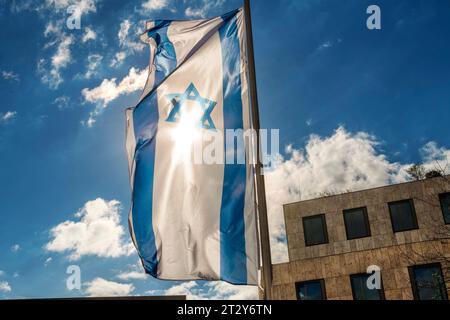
[400,232]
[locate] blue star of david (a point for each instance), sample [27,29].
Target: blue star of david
[191,94]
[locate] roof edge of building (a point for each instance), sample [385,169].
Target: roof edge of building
[368,189]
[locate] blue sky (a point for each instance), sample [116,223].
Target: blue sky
[332,87]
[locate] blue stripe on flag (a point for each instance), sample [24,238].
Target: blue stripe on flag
[145,118]
[233,261]
[165,56]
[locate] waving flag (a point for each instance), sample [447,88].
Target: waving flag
[188,220]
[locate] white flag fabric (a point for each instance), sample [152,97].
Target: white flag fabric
[192,220]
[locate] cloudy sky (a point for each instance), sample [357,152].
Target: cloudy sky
[354,108]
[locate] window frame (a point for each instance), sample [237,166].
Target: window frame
[413,211]
[324,229]
[381,291]
[412,279]
[366,221]
[322,287]
[441,196]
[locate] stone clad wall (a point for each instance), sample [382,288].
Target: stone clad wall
[335,270]
[394,253]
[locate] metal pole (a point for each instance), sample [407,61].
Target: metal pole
[260,187]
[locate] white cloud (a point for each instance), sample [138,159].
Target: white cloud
[5,287]
[15,248]
[100,287]
[118,59]
[134,272]
[129,41]
[325,45]
[7,116]
[63,55]
[48,261]
[203,8]
[53,28]
[97,232]
[62,102]
[124,39]
[51,74]
[91,120]
[194,13]
[94,61]
[132,275]
[123,31]
[341,162]
[2,273]
[83,6]
[432,154]
[328,44]
[10,75]
[183,289]
[24,5]
[226,291]
[50,69]
[110,90]
[217,290]
[88,35]
[154,5]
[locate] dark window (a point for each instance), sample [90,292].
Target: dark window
[403,215]
[356,223]
[445,205]
[311,290]
[315,229]
[427,282]
[361,291]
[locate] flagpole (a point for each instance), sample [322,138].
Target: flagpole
[260,186]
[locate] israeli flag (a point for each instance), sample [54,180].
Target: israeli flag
[191,220]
